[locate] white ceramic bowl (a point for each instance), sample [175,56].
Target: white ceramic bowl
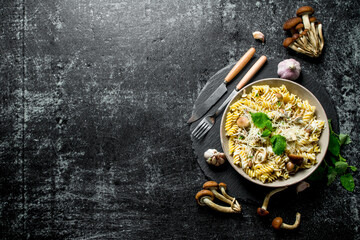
[304,94]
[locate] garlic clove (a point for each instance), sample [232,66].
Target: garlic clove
[259,36]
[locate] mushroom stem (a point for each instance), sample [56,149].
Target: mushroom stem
[263,210]
[293,226]
[319,30]
[206,197]
[234,203]
[217,207]
[213,186]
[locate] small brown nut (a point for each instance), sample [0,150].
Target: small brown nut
[279,96]
[243,122]
[296,159]
[290,166]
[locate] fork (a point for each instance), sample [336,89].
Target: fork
[208,122]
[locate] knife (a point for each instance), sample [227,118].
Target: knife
[221,90]
[252,71]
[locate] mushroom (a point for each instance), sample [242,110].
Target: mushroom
[321,38]
[290,166]
[206,197]
[296,159]
[305,12]
[260,155]
[235,204]
[291,23]
[243,122]
[313,30]
[213,186]
[263,210]
[290,43]
[278,223]
[279,96]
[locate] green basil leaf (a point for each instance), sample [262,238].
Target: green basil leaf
[342,159]
[278,144]
[353,168]
[347,181]
[341,167]
[261,120]
[266,133]
[331,175]
[344,139]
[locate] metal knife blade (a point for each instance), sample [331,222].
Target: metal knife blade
[221,90]
[252,71]
[205,106]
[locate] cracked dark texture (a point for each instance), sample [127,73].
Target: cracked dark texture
[94,101]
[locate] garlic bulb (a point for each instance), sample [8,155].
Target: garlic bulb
[213,157]
[289,69]
[210,153]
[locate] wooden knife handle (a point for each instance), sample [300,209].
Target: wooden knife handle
[240,65]
[252,71]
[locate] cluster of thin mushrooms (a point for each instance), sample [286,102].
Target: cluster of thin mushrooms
[307,37]
[212,190]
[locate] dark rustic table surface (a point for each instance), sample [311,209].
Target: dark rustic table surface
[95,95]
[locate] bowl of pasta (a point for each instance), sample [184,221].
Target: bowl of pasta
[274,132]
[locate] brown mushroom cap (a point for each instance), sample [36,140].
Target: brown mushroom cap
[312,19]
[204,193]
[291,23]
[262,211]
[299,26]
[277,222]
[296,159]
[287,42]
[305,10]
[210,184]
[223,185]
[295,36]
[243,122]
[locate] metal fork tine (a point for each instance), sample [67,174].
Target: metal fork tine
[206,131]
[198,133]
[198,128]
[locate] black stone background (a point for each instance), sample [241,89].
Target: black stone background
[94,101]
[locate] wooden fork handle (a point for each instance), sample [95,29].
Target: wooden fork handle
[252,71]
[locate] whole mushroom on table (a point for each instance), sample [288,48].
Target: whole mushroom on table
[307,37]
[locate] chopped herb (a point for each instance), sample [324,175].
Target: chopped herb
[279,104]
[241,137]
[256,95]
[278,144]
